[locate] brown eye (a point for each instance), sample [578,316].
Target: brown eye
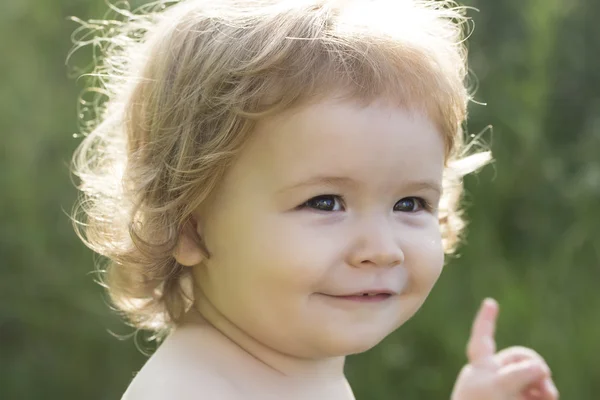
[410,204]
[324,203]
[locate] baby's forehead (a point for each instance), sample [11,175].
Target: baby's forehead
[340,109]
[346,139]
[336,119]
[340,104]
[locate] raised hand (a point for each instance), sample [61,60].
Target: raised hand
[516,373]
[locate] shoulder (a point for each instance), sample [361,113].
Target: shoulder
[172,373]
[180,385]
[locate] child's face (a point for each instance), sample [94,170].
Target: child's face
[276,263]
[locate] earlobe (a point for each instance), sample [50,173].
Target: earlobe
[190,249]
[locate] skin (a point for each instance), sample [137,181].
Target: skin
[515,373]
[283,241]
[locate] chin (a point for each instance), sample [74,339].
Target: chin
[354,337]
[362,347]
[347,343]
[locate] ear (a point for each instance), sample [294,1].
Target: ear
[190,250]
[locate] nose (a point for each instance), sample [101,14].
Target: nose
[376,245]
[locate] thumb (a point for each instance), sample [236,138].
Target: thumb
[514,378]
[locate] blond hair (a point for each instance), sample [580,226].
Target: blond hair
[180,88]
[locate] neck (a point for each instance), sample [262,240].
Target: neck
[250,350]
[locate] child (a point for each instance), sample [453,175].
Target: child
[275,184]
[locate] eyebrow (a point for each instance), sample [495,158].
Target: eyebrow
[322,180]
[345,181]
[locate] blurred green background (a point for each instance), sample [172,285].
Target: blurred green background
[533,241]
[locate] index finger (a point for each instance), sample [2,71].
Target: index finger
[482,345]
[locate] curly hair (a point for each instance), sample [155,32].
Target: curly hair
[177,90]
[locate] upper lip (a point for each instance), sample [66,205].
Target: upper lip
[368,291]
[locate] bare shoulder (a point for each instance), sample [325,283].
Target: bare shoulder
[175,374]
[162,384]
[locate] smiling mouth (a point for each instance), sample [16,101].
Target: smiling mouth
[364,298]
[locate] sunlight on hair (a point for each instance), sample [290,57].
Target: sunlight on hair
[178,86]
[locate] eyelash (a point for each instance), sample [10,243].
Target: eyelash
[421,202]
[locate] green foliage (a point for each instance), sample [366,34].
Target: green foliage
[533,242]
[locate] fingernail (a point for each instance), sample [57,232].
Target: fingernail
[489,302]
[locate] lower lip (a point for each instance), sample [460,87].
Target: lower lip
[365,299]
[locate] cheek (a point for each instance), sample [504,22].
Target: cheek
[425,256]
[301,253]
[276,253]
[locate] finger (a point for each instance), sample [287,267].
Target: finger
[482,345]
[549,390]
[541,390]
[515,354]
[546,388]
[517,377]
[533,394]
